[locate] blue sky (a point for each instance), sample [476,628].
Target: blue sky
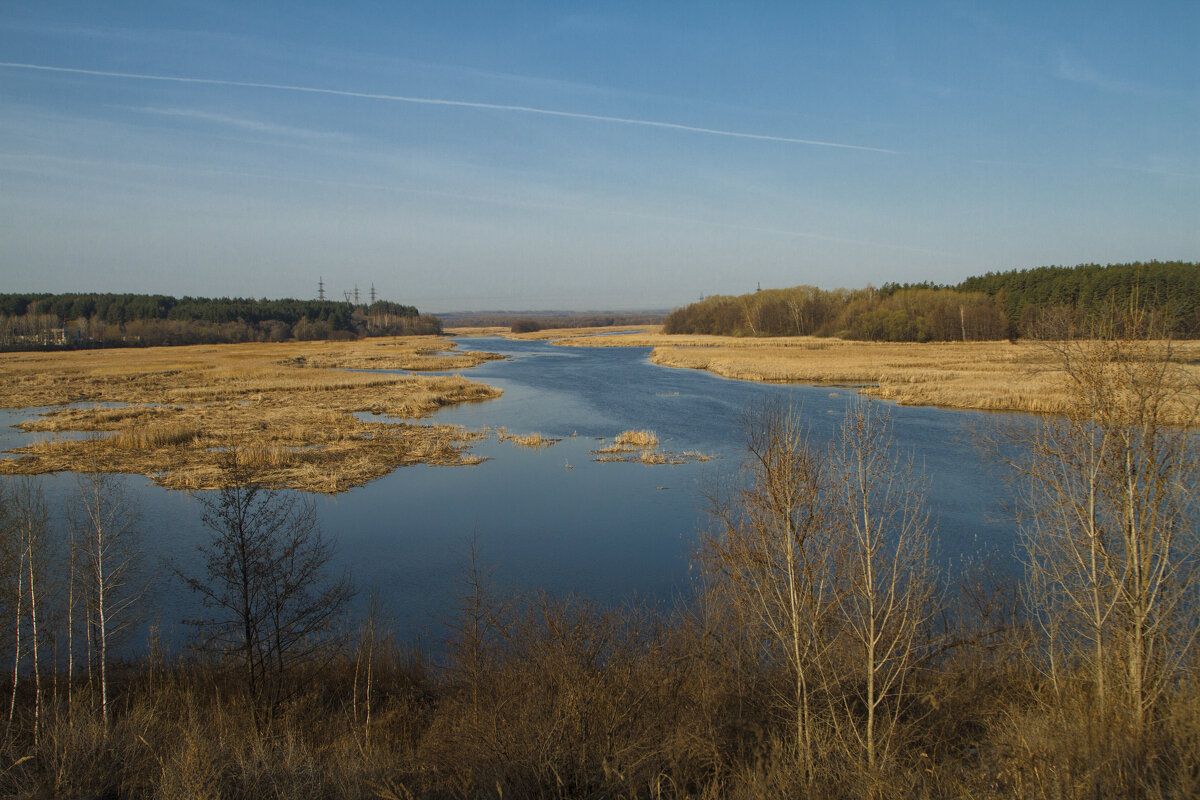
[588,155]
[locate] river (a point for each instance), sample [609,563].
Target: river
[556,520]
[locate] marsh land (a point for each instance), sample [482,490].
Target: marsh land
[300,411]
[295,410]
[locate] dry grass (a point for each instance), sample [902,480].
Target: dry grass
[991,376]
[157,437]
[533,441]
[641,447]
[637,439]
[290,406]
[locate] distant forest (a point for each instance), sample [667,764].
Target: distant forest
[36,321]
[1020,303]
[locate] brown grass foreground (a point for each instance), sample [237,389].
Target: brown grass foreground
[991,376]
[560,699]
[291,407]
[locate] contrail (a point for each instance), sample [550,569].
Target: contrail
[433,101]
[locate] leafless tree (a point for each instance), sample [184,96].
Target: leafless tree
[266,580]
[826,551]
[884,592]
[775,549]
[112,578]
[28,535]
[1109,523]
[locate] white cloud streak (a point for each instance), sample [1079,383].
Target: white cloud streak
[433,101]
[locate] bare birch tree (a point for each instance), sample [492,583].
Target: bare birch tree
[1109,522]
[111,576]
[30,530]
[886,587]
[826,551]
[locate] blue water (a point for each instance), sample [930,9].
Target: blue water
[555,520]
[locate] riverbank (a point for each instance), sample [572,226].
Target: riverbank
[291,408]
[1023,376]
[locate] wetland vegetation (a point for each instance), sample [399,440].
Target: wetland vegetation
[296,410]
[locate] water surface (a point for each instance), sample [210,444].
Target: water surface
[555,520]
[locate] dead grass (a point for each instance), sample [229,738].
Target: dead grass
[157,437]
[533,441]
[289,406]
[637,439]
[641,447]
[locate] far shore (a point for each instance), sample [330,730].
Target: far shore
[1023,376]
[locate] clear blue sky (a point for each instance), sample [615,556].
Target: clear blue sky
[588,155]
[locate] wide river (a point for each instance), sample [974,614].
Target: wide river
[556,520]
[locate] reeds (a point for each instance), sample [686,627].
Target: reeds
[156,437]
[641,439]
[641,447]
[295,422]
[532,441]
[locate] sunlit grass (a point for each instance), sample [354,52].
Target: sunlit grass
[993,376]
[291,409]
[641,447]
[533,441]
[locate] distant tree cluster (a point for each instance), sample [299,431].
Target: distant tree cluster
[526,326]
[903,315]
[1090,291]
[115,320]
[1035,302]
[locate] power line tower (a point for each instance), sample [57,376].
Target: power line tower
[372,293]
[347,296]
[356,294]
[321,288]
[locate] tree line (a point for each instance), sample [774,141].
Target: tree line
[823,652]
[1032,303]
[113,320]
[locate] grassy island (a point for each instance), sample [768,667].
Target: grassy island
[293,409]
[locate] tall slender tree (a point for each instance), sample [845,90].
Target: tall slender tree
[112,575]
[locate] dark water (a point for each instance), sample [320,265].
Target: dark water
[609,531]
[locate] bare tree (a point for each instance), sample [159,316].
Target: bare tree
[776,551]
[826,551]
[266,579]
[1109,522]
[886,588]
[28,536]
[111,576]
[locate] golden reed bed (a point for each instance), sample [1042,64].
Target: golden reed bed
[290,408]
[993,376]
